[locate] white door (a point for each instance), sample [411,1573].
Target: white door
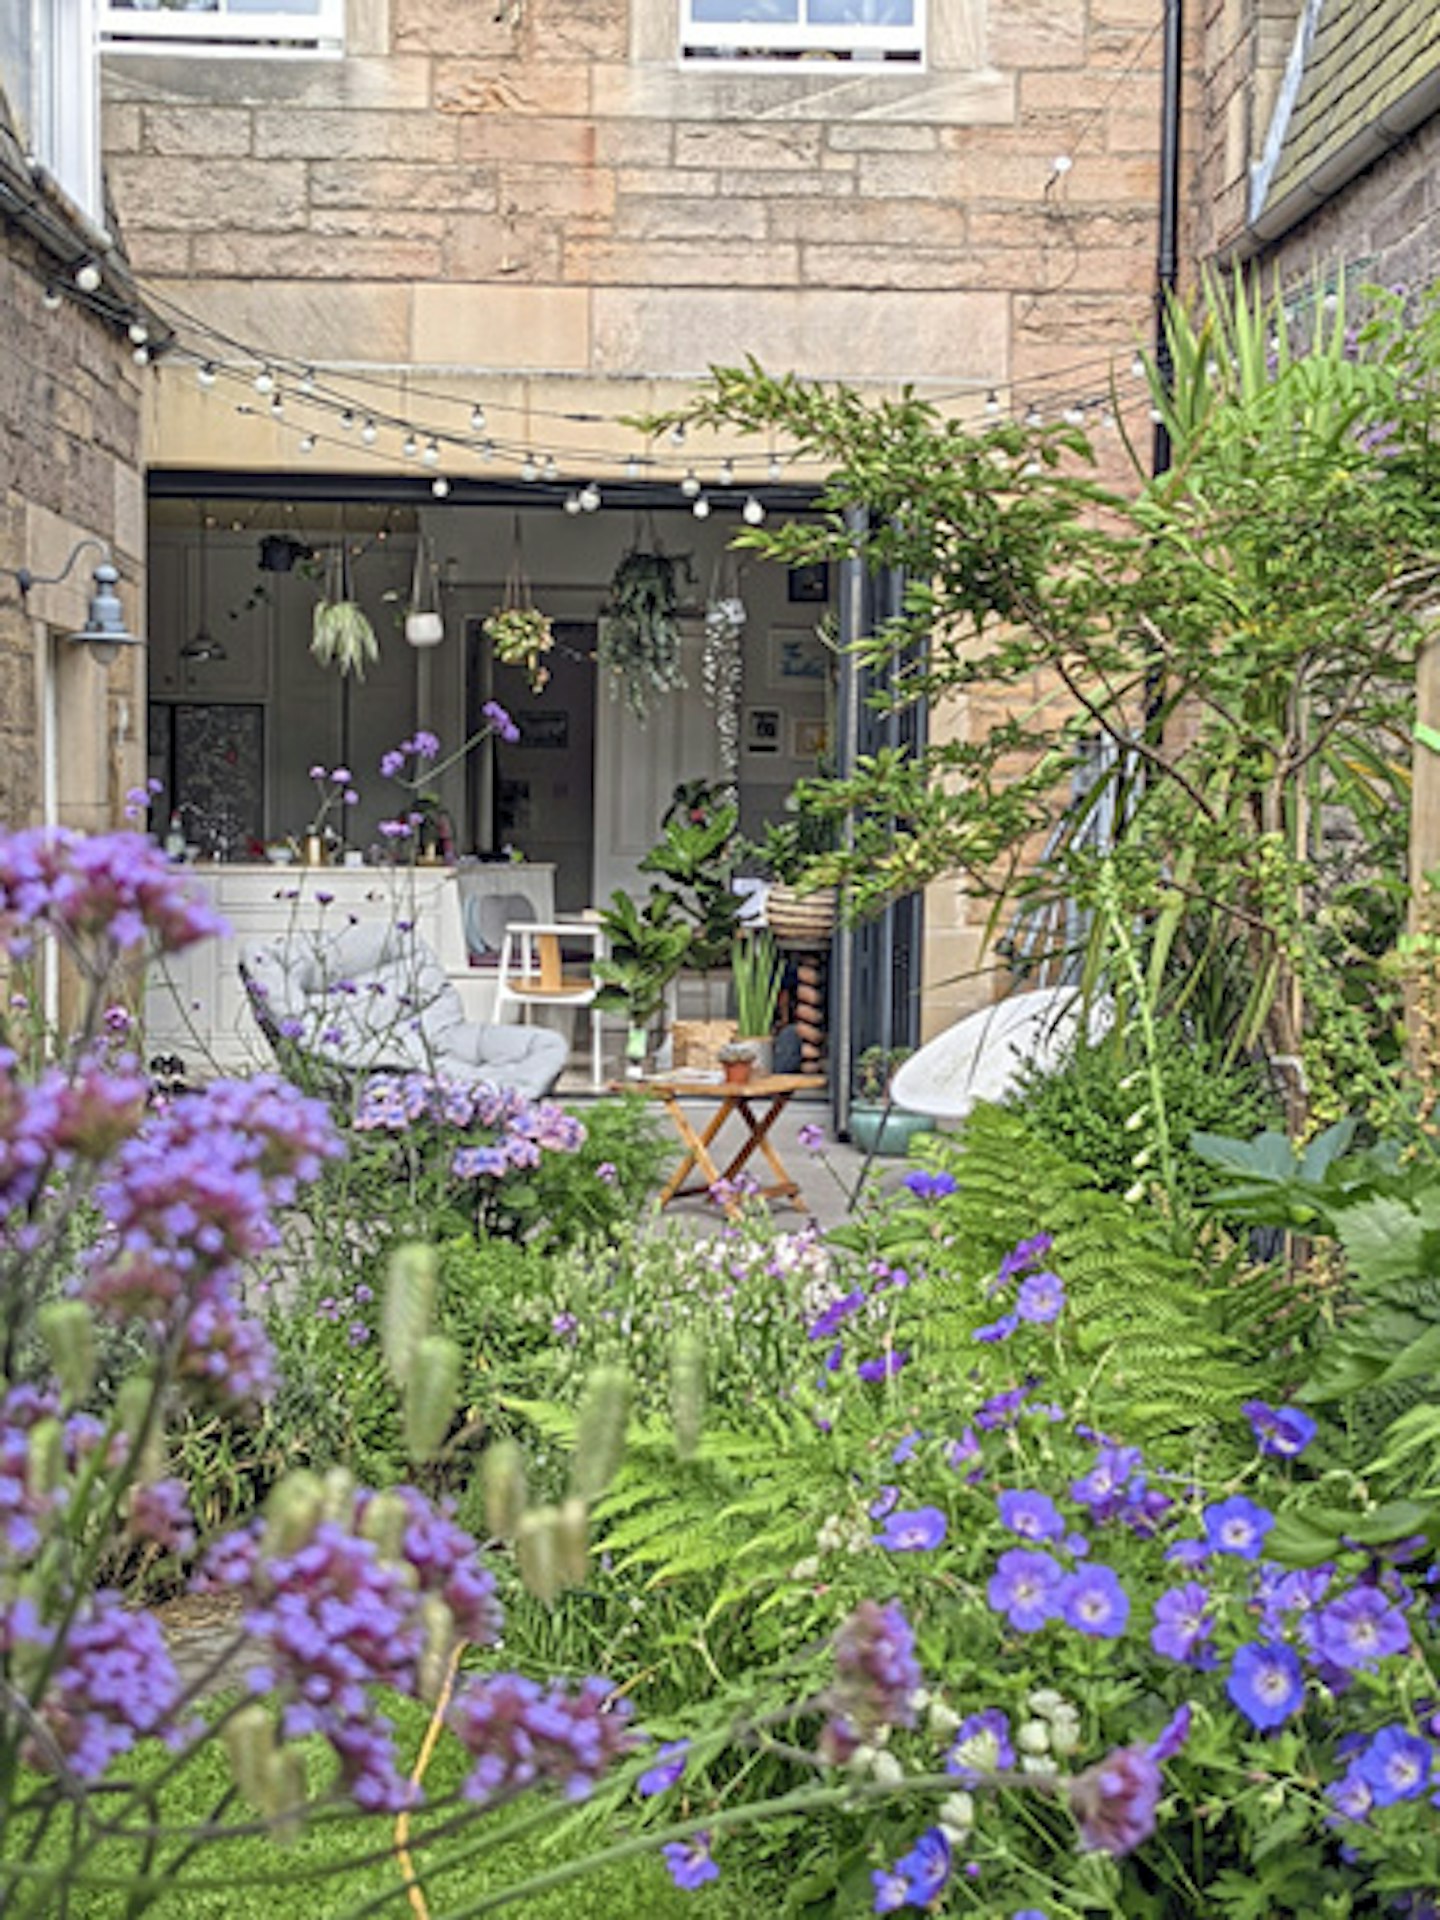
[637,769]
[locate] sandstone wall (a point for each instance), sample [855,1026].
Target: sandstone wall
[70,405]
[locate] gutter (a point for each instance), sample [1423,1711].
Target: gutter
[1399,120]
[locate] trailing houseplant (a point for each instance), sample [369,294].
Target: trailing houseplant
[639,637]
[341,633]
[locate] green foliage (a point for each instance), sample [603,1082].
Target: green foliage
[647,948]
[757,969]
[694,860]
[1081,1107]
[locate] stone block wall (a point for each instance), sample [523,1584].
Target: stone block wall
[70,459]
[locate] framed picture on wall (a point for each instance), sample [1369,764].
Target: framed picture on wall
[809,585]
[548,730]
[764,730]
[798,659]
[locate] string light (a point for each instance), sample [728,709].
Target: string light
[727,473]
[347,420]
[552,472]
[590,497]
[1074,416]
[1137,366]
[205,374]
[477,419]
[528,470]
[775,469]
[141,356]
[701,508]
[307,443]
[409,446]
[440,486]
[138,332]
[1033,416]
[690,485]
[572,503]
[368,432]
[752,512]
[992,402]
[264,381]
[277,406]
[307,381]
[431,455]
[51,299]
[632,468]
[88,277]
[677,433]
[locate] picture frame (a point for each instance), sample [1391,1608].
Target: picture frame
[809,738]
[547,731]
[809,585]
[764,730]
[797,660]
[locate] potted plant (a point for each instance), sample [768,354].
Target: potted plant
[341,633]
[800,910]
[639,636]
[875,1126]
[756,969]
[646,947]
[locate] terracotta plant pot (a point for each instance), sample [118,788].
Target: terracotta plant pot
[737,1072]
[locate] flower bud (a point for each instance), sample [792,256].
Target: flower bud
[600,1432]
[1065,1732]
[687,1393]
[887,1770]
[44,1458]
[957,1815]
[535,1554]
[439,1625]
[338,1502]
[432,1392]
[292,1513]
[409,1307]
[1047,1702]
[384,1521]
[68,1331]
[1134,1121]
[942,1721]
[503,1473]
[572,1542]
[249,1737]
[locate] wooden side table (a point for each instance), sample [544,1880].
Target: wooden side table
[759,1104]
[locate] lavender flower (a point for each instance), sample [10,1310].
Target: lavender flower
[501,721]
[875,1676]
[1115,1802]
[160,1513]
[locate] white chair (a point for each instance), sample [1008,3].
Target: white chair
[536,972]
[981,1056]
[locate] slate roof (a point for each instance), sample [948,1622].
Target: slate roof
[1366,56]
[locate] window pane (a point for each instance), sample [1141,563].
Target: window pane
[860,13]
[16,71]
[745,12]
[311,7]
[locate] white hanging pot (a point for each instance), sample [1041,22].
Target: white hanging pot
[424,629]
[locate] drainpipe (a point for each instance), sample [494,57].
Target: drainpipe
[1167,263]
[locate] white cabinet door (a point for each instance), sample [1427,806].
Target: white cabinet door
[637,769]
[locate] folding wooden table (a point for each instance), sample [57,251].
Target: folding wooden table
[759,1103]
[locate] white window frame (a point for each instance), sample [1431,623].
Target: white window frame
[63,111]
[278,30]
[779,41]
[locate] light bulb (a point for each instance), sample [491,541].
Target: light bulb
[205,374]
[431,455]
[727,473]
[677,433]
[752,512]
[1074,416]
[701,508]
[477,419]
[1034,417]
[1062,163]
[277,405]
[307,380]
[368,433]
[775,467]
[1157,417]
[88,277]
[439,486]
[347,420]
[1137,366]
[590,497]
[690,485]
[138,332]
[528,469]
[487,449]
[632,468]
[141,356]
[409,446]
[50,299]
[307,443]
[552,471]
[572,503]
[265,381]
[992,402]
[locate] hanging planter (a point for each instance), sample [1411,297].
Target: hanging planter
[722,673]
[424,622]
[341,635]
[519,633]
[639,639]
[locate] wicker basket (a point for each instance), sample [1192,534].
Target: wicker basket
[801,919]
[697,1043]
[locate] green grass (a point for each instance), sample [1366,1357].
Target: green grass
[227,1881]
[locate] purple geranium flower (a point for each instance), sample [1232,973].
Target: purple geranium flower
[1093,1601]
[668,1767]
[1173,1734]
[883,1365]
[1041,1298]
[1266,1684]
[689,1862]
[1183,1625]
[1396,1765]
[918,1878]
[1237,1526]
[997,1330]
[1034,1516]
[912,1530]
[826,1323]
[1024,1588]
[1360,1629]
[1350,1796]
[1284,1432]
[982,1745]
[930,1186]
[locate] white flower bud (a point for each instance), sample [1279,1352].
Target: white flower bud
[1065,1732]
[942,1721]
[887,1770]
[1033,1737]
[957,1815]
[1046,1701]
[805,1569]
[1037,1763]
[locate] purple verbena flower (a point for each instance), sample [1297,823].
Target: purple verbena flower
[876,1676]
[1115,1802]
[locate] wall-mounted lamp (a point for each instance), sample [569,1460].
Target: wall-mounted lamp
[104,631]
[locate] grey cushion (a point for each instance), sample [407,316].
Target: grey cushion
[374,999]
